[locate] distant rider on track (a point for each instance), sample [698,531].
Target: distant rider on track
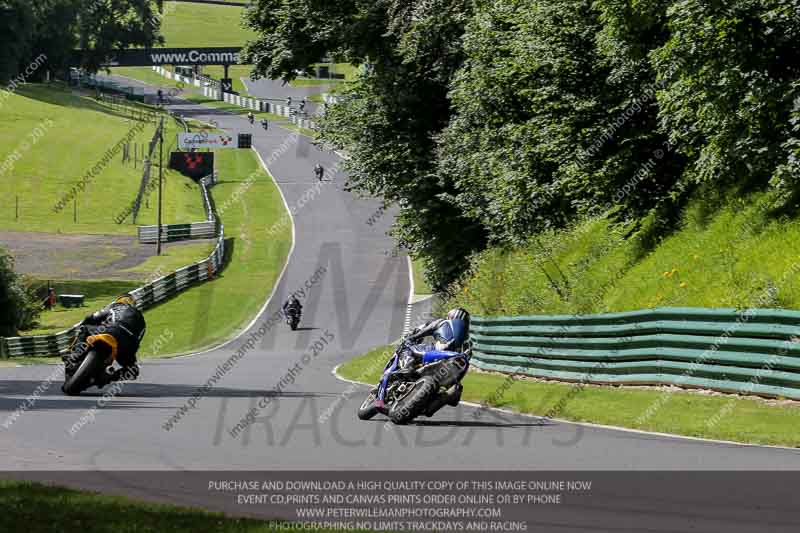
[292,304]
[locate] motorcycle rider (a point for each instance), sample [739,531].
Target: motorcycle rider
[449,334]
[250,117]
[125,324]
[292,304]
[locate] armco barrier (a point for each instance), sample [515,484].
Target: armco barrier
[182,232]
[747,352]
[178,232]
[146,296]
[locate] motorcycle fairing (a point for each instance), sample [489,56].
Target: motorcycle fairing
[106,339]
[437,355]
[391,366]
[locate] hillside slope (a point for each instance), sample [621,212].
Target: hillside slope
[736,251]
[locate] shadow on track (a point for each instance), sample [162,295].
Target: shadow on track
[24,389]
[470,423]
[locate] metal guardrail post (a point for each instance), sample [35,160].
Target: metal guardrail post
[3,351]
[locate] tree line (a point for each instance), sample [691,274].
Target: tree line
[52,29]
[488,122]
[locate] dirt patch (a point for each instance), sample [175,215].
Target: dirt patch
[64,257]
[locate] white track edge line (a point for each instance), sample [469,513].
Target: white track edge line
[277,281]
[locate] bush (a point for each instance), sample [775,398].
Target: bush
[19,306]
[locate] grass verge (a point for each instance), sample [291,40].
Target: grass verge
[35,507]
[421,285]
[188,25]
[718,416]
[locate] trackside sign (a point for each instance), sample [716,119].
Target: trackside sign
[147,57]
[210,141]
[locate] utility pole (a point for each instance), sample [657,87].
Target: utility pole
[160,179]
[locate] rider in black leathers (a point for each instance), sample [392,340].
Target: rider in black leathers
[126,324]
[292,304]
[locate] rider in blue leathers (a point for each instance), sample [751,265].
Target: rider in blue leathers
[449,334]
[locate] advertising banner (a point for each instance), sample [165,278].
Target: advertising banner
[210,141]
[148,57]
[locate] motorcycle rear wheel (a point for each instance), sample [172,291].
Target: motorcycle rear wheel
[81,379]
[414,402]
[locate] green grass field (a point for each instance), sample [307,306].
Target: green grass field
[38,508]
[188,24]
[99,293]
[146,75]
[685,413]
[49,165]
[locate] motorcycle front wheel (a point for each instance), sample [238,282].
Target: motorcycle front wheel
[81,379]
[368,409]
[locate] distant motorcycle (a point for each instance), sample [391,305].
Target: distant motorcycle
[293,317]
[413,392]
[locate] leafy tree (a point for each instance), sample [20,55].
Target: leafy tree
[734,83]
[18,306]
[16,31]
[54,28]
[106,25]
[556,114]
[389,122]
[489,122]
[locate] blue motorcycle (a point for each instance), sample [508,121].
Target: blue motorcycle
[418,380]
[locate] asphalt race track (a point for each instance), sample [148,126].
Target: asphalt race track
[361,301]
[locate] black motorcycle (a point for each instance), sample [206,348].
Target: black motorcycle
[293,317]
[90,355]
[410,391]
